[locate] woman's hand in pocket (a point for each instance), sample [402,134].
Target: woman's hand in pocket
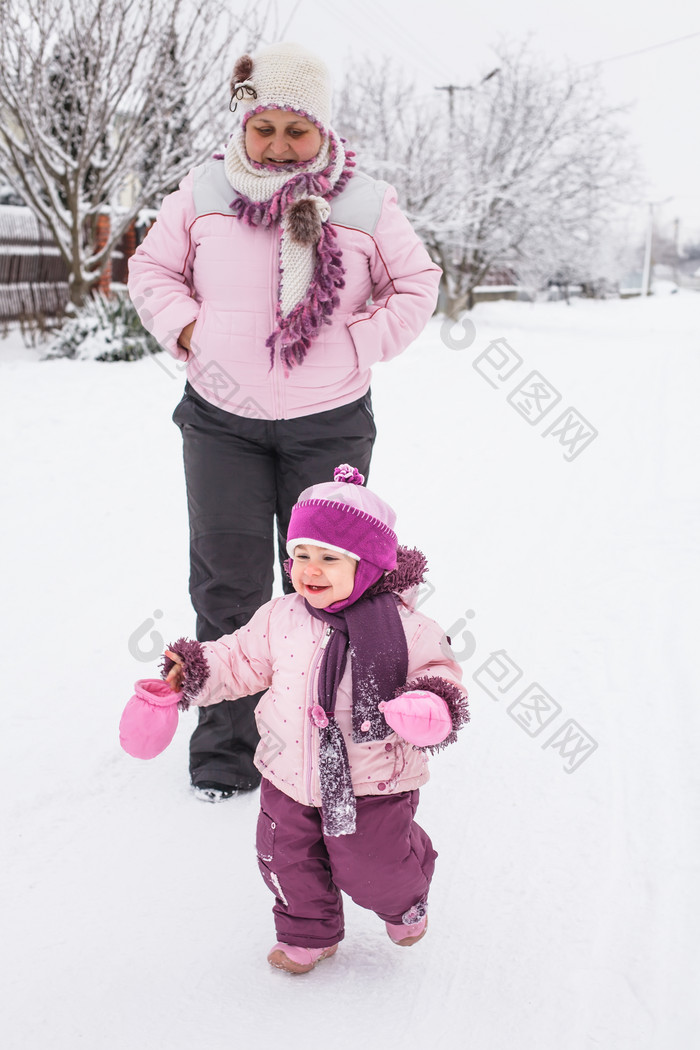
[185,336]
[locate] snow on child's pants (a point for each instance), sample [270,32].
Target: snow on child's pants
[385,866]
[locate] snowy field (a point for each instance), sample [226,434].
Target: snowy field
[564,560]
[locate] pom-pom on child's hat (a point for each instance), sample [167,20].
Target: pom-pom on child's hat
[282,76]
[345,516]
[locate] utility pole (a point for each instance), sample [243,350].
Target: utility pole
[451,88]
[646,270]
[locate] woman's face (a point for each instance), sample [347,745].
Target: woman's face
[279,137]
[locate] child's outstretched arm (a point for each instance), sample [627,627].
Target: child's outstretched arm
[239,664]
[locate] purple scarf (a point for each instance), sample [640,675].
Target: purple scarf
[372,631]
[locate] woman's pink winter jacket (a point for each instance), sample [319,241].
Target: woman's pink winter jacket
[200,263]
[280,650]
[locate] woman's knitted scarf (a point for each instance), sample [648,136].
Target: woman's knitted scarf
[310,263]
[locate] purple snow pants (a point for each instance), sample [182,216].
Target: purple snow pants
[385,866]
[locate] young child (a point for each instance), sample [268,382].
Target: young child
[360,686]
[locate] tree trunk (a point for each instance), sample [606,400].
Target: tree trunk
[81,289]
[457,303]
[78,289]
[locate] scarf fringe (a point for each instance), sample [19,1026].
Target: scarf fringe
[339,808]
[294,333]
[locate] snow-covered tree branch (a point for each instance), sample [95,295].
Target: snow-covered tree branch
[106,104]
[521,170]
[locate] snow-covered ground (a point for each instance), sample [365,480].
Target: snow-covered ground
[563,562]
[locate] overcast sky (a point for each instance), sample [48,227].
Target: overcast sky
[444,42]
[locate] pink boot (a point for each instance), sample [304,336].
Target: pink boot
[293,959]
[404,934]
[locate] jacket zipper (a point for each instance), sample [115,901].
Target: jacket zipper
[313,677]
[274,290]
[327,637]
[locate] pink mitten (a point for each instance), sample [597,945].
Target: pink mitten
[419,717]
[149,720]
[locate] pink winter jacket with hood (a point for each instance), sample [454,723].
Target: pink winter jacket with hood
[201,263]
[280,650]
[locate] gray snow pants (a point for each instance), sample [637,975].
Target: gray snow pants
[243,474]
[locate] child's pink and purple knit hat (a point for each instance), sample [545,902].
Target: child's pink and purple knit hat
[344,516]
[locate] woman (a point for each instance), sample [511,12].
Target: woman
[280,276]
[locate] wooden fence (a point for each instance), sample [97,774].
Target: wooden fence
[33,276]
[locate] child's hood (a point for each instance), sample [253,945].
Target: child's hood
[405,579]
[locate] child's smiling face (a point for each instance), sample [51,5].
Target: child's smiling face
[321,575]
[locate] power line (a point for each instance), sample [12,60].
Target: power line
[641,51]
[396,28]
[283,33]
[410,48]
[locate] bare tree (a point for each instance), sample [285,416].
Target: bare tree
[96,97]
[519,171]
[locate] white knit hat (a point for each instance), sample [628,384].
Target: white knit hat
[282,76]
